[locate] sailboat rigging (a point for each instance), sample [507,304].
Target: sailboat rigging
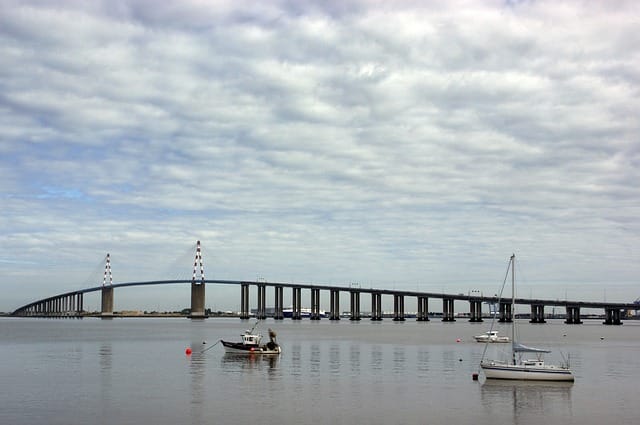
[519,368]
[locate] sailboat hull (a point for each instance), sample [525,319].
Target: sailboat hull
[493,370]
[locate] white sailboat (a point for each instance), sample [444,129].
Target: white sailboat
[524,369]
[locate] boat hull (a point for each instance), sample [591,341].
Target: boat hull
[526,373]
[240,348]
[499,339]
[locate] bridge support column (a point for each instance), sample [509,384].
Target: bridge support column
[475,308]
[573,315]
[335,305]
[107,302]
[537,313]
[244,301]
[612,316]
[447,310]
[197,300]
[296,314]
[278,307]
[398,308]
[79,304]
[355,305]
[376,306]
[423,309]
[261,313]
[506,313]
[315,304]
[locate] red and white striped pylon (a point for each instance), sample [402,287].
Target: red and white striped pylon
[195,264]
[107,269]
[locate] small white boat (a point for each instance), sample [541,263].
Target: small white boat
[518,368]
[304,313]
[491,336]
[251,344]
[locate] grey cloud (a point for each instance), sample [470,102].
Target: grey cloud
[320,141]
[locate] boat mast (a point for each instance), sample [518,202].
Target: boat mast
[513,306]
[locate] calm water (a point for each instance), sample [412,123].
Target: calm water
[135,371]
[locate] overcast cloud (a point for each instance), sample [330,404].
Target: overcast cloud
[396,144]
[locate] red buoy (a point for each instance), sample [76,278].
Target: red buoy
[188,351]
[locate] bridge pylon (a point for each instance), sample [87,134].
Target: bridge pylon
[107,291]
[197,287]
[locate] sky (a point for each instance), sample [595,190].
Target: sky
[391,144]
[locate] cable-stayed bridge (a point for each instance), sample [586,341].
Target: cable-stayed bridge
[71,304]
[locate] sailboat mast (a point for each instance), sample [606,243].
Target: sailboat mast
[513,306]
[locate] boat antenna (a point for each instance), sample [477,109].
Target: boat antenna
[254,326]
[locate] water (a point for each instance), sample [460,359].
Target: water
[135,371]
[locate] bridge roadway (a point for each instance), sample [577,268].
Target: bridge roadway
[70,304]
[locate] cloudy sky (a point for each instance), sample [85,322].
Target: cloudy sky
[396,144]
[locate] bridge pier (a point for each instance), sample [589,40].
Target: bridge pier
[447,310]
[475,307]
[261,313]
[537,313]
[376,306]
[107,302]
[335,305]
[70,305]
[612,316]
[296,304]
[506,313]
[197,301]
[278,303]
[398,308]
[315,304]
[423,309]
[355,305]
[573,315]
[244,301]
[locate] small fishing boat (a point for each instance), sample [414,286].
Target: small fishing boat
[491,336]
[517,368]
[251,344]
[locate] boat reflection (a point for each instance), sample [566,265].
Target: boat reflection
[250,361]
[527,400]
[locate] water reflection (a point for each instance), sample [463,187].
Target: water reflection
[197,371]
[423,362]
[399,360]
[354,359]
[105,358]
[104,354]
[314,366]
[528,400]
[334,359]
[376,358]
[240,361]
